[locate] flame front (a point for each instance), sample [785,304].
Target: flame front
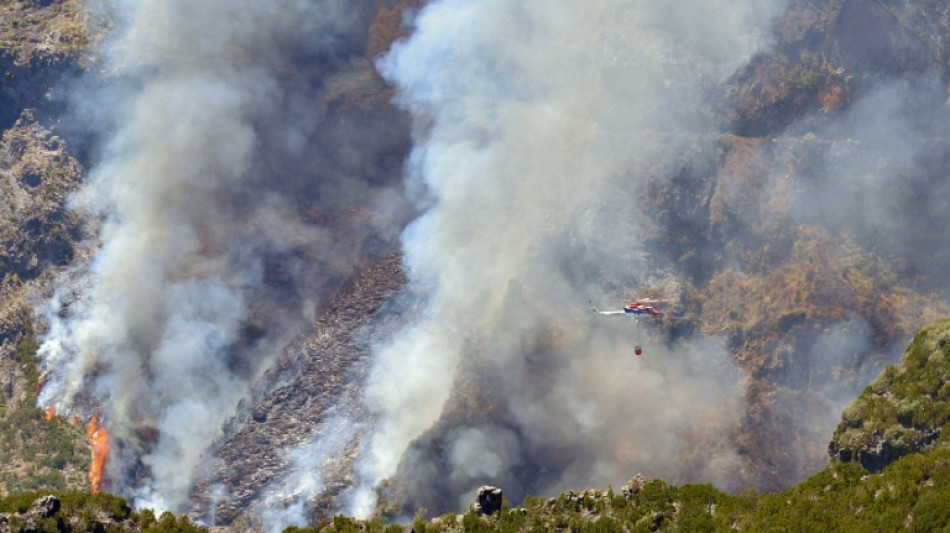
[100,452]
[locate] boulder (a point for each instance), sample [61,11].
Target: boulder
[45,507]
[633,487]
[488,500]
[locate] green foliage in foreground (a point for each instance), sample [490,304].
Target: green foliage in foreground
[83,512]
[909,495]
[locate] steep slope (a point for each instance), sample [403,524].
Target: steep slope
[806,234]
[749,231]
[40,237]
[319,379]
[905,492]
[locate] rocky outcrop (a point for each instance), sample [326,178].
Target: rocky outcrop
[632,487]
[488,500]
[75,511]
[37,173]
[882,450]
[43,508]
[46,506]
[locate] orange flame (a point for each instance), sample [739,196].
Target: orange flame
[100,452]
[50,413]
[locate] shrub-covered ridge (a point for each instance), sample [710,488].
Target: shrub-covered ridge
[904,409]
[81,512]
[908,495]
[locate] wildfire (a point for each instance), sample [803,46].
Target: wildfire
[50,413]
[100,452]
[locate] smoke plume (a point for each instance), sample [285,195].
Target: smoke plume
[212,185]
[286,502]
[530,118]
[227,178]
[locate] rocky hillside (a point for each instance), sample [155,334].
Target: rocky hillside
[784,276]
[806,233]
[810,303]
[40,237]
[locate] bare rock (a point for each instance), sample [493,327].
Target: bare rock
[46,506]
[488,500]
[633,486]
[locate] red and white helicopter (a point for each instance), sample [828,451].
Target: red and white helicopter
[635,310]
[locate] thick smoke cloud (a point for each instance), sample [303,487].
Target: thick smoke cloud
[211,186]
[529,118]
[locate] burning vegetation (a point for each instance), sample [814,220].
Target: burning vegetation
[99,437]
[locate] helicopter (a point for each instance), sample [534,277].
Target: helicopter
[634,310]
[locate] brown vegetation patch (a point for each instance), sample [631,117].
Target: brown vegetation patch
[36,30]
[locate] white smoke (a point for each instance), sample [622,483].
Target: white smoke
[287,502]
[199,186]
[530,118]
